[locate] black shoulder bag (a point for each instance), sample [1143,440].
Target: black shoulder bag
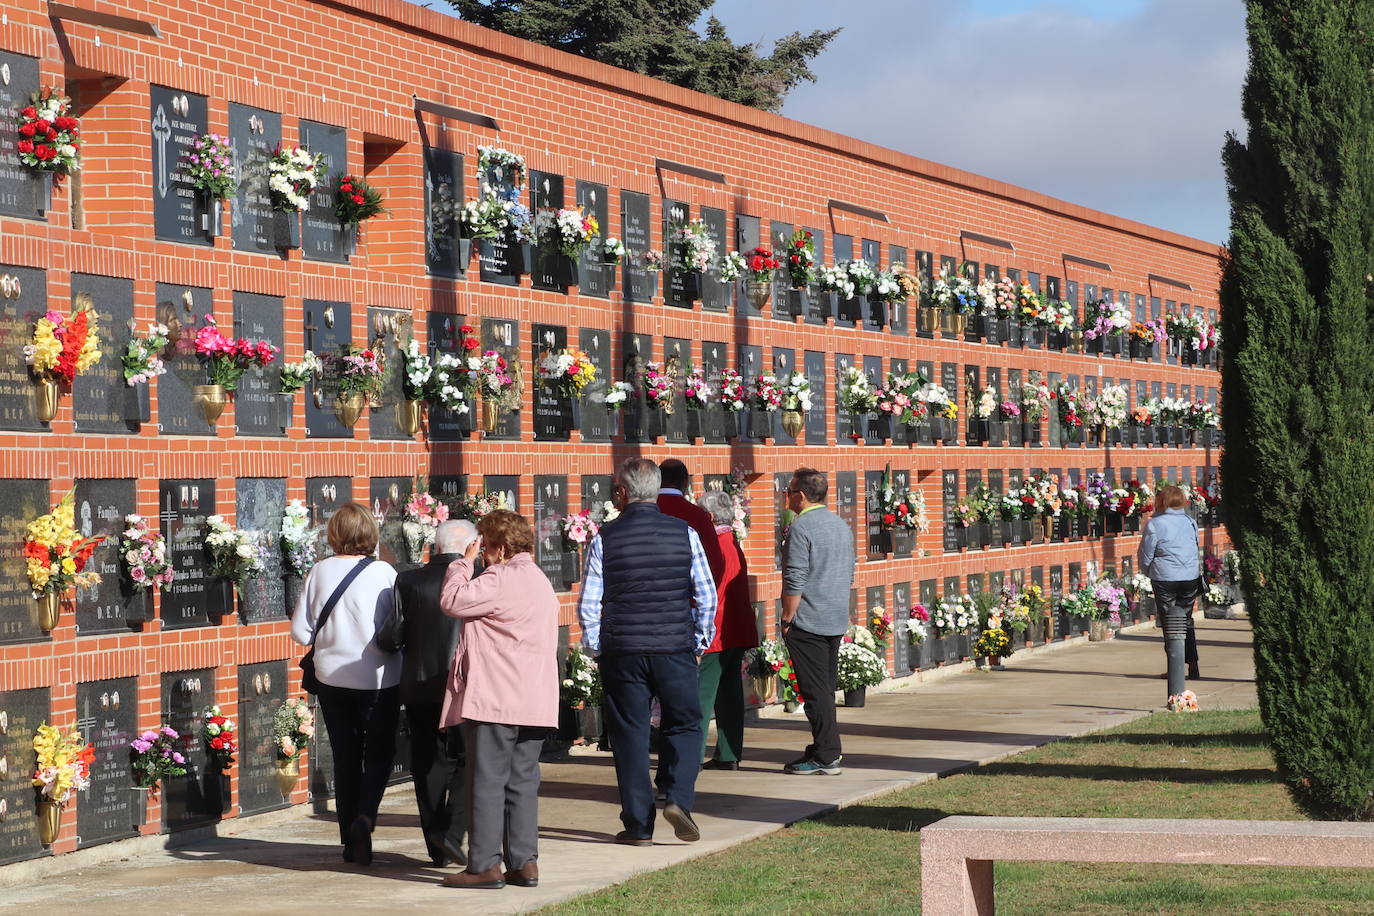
[309,683]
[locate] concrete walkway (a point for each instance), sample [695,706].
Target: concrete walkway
[288,862]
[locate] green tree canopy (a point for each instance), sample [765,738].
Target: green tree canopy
[657,38]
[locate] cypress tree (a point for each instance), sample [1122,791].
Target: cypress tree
[1298,472]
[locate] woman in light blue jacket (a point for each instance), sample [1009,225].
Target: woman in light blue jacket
[1169,556]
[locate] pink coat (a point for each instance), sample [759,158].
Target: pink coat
[506,667]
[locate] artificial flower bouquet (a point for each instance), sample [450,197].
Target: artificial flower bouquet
[62,765]
[857,393]
[64,345]
[55,554]
[296,375]
[693,247]
[293,725]
[581,685]
[569,230]
[898,506]
[695,389]
[155,755]
[49,137]
[800,258]
[221,738]
[733,396]
[356,201]
[858,668]
[143,553]
[142,358]
[420,520]
[209,166]
[1103,318]
[768,393]
[567,372]
[226,359]
[235,554]
[578,529]
[358,371]
[297,539]
[292,175]
[795,389]
[658,386]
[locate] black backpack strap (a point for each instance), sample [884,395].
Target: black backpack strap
[338,593]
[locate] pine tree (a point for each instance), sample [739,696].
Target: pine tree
[1298,472]
[656,38]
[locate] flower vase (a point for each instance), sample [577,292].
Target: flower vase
[49,821]
[287,229]
[491,415]
[792,423]
[695,429]
[349,238]
[47,394]
[408,416]
[994,663]
[49,610]
[854,699]
[761,424]
[211,214]
[1047,526]
[1099,630]
[210,400]
[349,408]
[288,774]
[958,323]
[790,705]
[763,689]
[758,292]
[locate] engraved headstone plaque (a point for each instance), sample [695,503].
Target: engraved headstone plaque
[819,305]
[24,711]
[18,394]
[262,688]
[638,284]
[949,495]
[593,276]
[24,500]
[877,425]
[112,604]
[322,496]
[748,235]
[387,499]
[903,658]
[637,351]
[258,405]
[596,491]
[847,500]
[196,595]
[508,485]
[847,311]
[681,286]
[845,422]
[713,360]
[875,541]
[385,330]
[19,188]
[597,420]
[898,316]
[553,411]
[107,717]
[550,506]
[254,133]
[502,260]
[176,119]
[817,417]
[715,295]
[183,309]
[328,330]
[547,264]
[446,336]
[784,364]
[102,402]
[196,798]
[503,336]
[321,231]
[260,505]
[677,360]
[444,247]
[750,361]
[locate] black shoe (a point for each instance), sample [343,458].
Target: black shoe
[625,838]
[720,765]
[1193,673]
[347,853]
[361,835]
[660,797]
[684,828]
[454,853]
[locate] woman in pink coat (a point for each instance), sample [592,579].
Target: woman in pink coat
[503,691]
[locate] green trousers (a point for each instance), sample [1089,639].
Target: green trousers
[721,690]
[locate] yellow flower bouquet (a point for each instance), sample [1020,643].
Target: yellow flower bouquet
[55,554]
[63,345]
[63,765]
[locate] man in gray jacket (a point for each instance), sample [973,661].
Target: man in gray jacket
[817,573]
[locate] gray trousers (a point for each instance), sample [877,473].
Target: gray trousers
[503,794]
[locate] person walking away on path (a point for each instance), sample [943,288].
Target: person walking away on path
[648,612]
[817,573]
[503,691]
[720,678]
[359,694]
[1168,554]
[429,638]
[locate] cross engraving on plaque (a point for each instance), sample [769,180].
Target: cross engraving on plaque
[162,130]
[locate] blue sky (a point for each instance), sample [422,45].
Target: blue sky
[1119,105]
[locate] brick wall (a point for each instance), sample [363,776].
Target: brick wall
[356,64]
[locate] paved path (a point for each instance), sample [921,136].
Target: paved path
[288,863]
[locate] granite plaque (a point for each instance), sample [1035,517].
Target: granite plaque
[328,330]
[445,335]
[503,336]
[847,500]
[24,501]
[112,604]
[783,515]
[681,287]
[715,295]
[23,712]
[749,358]
[259,407]
[593,276]
[874,312]
[1001,528]
[845,423]
[18,394]
[322,496]
[254,133]
[597,420]
[716,417]
[677,361]
[443,200]
[176,119]
[898,317]
[813,365]
[501,260]
[19,188]
[550,506]
[638,284]
[102,402]
[847,311]
[547,264]
[385,328]
[596,490]
[260,505]
[949,496]
[553,411]
[819,305]
[262,689]
[877,425]
[636,351]
[321,231]
[196,595]
[387,499]
[949,380]
[183,309]
[784,364]
[903,654]
[448,486]
[198,797]
[507,485]
[748,235]
[107,717]
[786,301]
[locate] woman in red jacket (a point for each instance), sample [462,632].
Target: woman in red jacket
[721,684]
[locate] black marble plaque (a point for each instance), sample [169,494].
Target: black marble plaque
[898,316]
[322,496]
[553,411]
[24,501]
[196,594]
[183,310]
[784,364]
[112,604]
[18,394]
[448,486]
[596,490]
[446,336]
[260,505]
[713,360]
[262,689]
[904,655]
[24,711]
[107,717]
[196,798]
[749,358]
[638,284]
[328,330]
[813,365]
[501,260]
[385,327]
[637,350]
[259,407]
[847,499]
[503,336]
[681,287]
[506,484]
[550,505]
[715,295]
[949,380]
[546,261]
[321,232]
[844,421]
[819,305]
[785,302]
[873,311]
[677,360]
[443,200]
[949,495]
[877,425]
[177,119]
[102,402]
[847,311]
[593,276]
[748,235]
[254,133]
[596,419]
[387,499]
[19,187]
[876,542]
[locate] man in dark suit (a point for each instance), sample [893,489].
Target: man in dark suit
[429,639]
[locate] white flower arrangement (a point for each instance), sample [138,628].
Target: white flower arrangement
[857,393]
[234,553]
[1110,409]
[694,249]
[291,177]
[732,267]
[986,404]
[297,538]
[796,392]
[835,279]
[612,250]
[858,667]
[294,376]
[861,636]
[862,275]
[450,383]
[617,393]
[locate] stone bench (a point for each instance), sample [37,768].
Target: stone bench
[957,852]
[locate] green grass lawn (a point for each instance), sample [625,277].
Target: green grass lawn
[866,859]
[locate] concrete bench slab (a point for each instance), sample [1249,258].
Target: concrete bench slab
[957,853]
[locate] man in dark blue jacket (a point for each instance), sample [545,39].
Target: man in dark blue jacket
[648,612]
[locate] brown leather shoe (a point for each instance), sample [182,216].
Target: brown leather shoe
[526,875]
[625,838]
[491,879]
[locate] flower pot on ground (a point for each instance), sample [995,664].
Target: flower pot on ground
[1099,630]
[855,699]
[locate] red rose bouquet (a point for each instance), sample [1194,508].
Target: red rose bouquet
[49,137]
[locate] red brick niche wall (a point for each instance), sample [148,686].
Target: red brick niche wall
[405,97]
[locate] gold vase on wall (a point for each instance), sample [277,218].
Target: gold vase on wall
[349,408]
[47,394]
[210,400]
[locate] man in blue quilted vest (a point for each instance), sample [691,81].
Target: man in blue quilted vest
[648,611]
